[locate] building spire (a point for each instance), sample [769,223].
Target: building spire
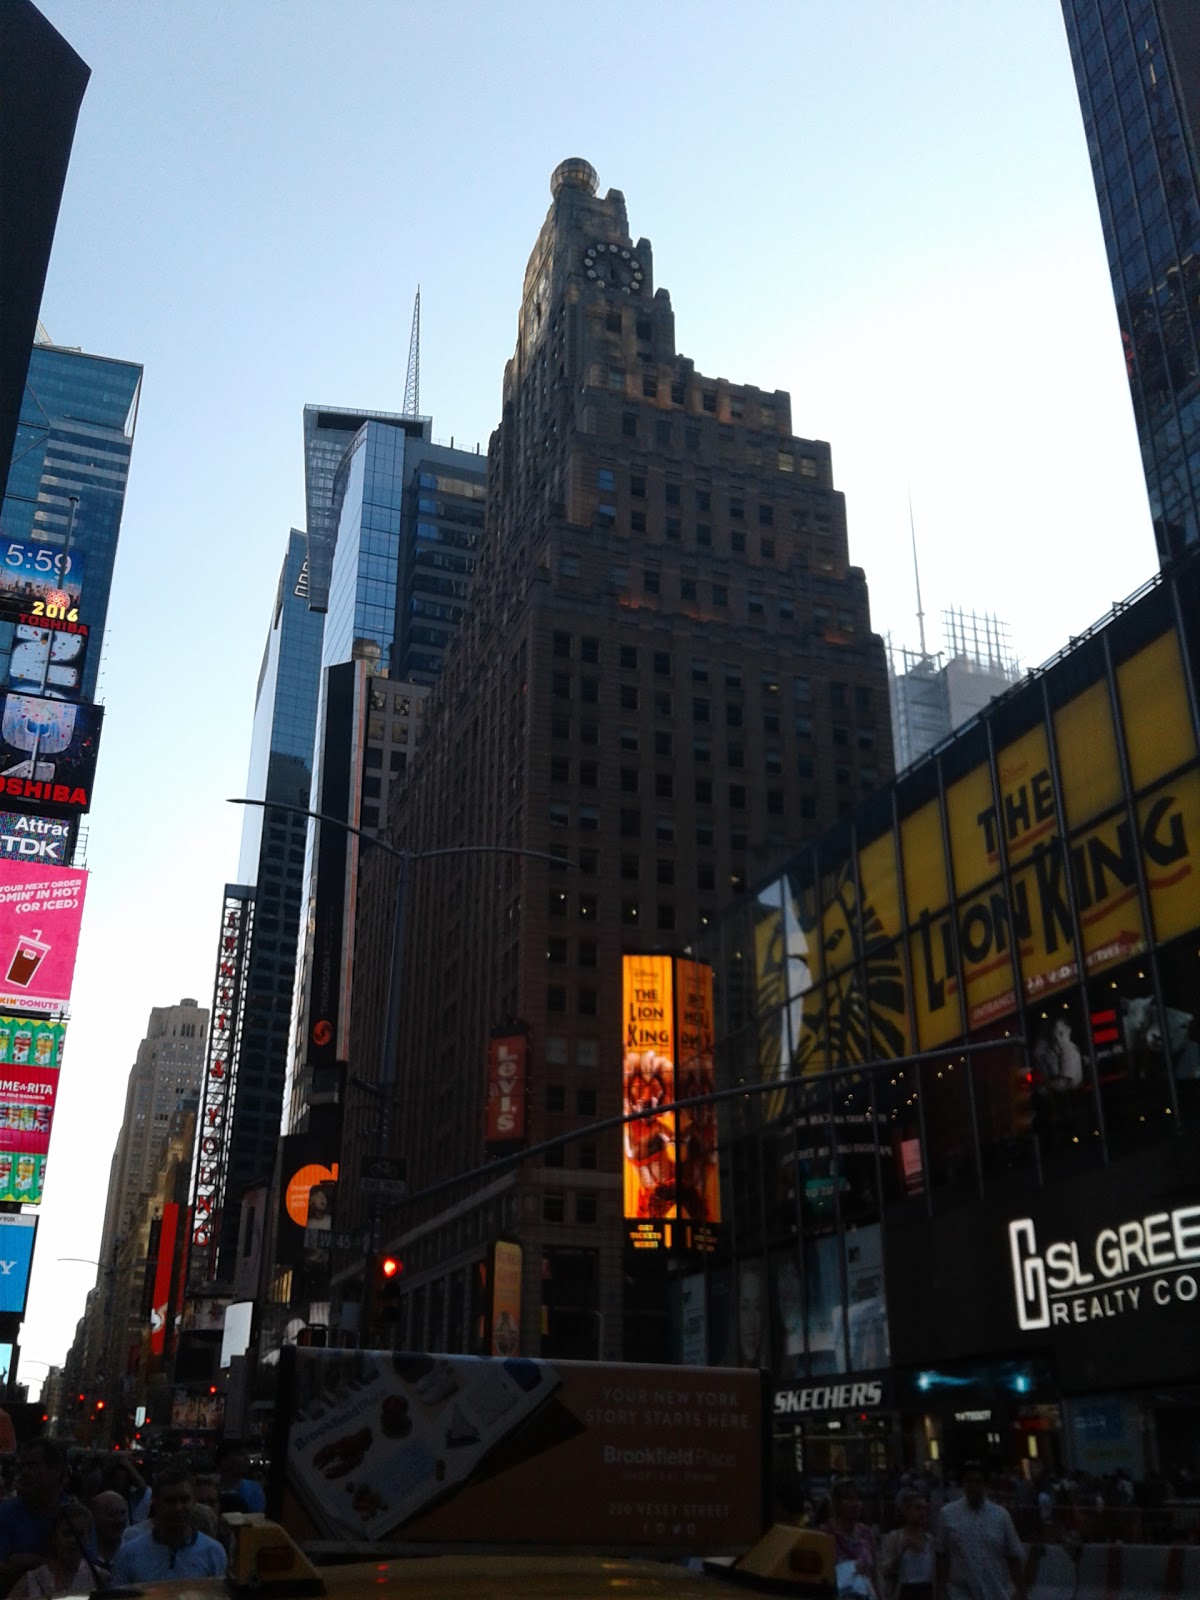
[412,383]
[917,575]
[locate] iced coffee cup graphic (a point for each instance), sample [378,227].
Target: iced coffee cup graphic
[27,958]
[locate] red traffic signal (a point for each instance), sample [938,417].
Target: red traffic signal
[99,1405]
[390,1267]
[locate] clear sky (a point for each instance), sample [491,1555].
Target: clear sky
[884,207]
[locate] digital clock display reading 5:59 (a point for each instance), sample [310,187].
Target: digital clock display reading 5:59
[36,576]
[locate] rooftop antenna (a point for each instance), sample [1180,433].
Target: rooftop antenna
[917,575]
[412,383]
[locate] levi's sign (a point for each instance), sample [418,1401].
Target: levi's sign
[829,1397]
[1136,1265]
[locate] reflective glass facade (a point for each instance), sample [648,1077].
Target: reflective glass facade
[1138,74]
[272,862]
[74,439]
[981,992]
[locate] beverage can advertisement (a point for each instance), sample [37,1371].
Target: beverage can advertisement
[22,1177]
[31,1041]
[40,912]
[27,1109]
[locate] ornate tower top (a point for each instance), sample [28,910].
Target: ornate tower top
[577,172]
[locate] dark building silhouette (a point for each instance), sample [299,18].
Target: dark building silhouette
[41,89]
[1137,67]
[666,678]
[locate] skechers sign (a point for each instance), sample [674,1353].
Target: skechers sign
[1134,1266]
[798,1400]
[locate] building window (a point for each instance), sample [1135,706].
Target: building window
[736,756]
[629,780]
[674,529]
[587,906]
[766,516]
[651,581]
[664,830]
[733,676]
[672,494]
[637,522]
[701,750]
[606,478]
[629,740]
[637,486]
[773,763]
[665,871]
[589,690]
[662,433]
[585,1105]
[629,697]
[553,1207]
[664,786]
[629,658]
[737,541]
[767,547]
[677,394]
[737,796]
[775,802]
[649,386]
[629,427]
[631,868]
[587,774]
[562,645]
[589,732]
[560,815]
[737,508]
[687,588]
[585,1207]
[720,594]
[558,903]
[556,997]
[733,714]
[586,1002]
[704,791]
[589,649]
[560,685]
[568,566]
[556,1095]
[706,877]
[631,822]
[587,952]
[629,912]
[589,819]
[556,951]
[662,702]
[703,535]
[756,605]
[663,742]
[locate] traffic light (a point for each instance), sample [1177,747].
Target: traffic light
[387,1275]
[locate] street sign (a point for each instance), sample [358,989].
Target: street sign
[384,1179]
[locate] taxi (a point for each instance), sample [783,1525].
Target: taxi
[267,1562]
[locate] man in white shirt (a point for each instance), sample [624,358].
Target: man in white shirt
[979,1554]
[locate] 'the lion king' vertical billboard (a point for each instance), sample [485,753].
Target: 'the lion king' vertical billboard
[672,1180]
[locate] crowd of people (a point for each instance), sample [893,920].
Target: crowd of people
[72,1526]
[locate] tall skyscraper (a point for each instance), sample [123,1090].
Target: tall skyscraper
[1137,67]
[165,1073]
[72,454]
[398,520]
[42,81]
[272,865]
[667,675]
[932,695]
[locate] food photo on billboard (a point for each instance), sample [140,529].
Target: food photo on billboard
[48,751]
[27,1096]
[40,912]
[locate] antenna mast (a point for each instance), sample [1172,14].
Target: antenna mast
[917,575]
[412,383]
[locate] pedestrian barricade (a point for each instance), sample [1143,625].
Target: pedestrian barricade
[1114,1572]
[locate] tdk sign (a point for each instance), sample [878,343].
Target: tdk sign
[35,839]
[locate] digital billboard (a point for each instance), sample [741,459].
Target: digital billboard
[27,1097]
[506,1298]
[672,1178]
[648,1087]
[17,1234]
[989,873]
[31,1042]
[507,1055]
[48,751]
[307,1164]
[38,575]
[48,657]
[163,1271]
[22,1178]
[40,912]
[27,837]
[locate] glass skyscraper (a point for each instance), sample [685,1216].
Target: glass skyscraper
[1137,67]
[272,864]
[394,521]
[74,441]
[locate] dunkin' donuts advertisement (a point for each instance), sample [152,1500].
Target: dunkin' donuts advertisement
[40,912]
[390,1448]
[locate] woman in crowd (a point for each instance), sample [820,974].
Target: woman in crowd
[853,1541]
[906,1562]
[68,1570]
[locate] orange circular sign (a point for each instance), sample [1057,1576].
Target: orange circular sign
[299,1184]
[322,1032]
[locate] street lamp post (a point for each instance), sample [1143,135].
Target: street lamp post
[406,858]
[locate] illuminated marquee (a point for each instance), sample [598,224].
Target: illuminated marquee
[216,1097]
[672,1187]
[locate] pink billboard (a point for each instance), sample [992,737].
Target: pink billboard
[40,912]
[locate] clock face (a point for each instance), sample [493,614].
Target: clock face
[613,266]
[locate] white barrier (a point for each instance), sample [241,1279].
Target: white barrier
[1116,1572]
